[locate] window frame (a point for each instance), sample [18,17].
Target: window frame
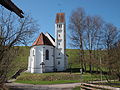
[58,62]
[33,52]
[47,54]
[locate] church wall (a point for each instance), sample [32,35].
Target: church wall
[40,57]
[29,64]
[49,64]
[32,60]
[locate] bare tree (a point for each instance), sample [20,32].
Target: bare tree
[97,41]
[76,27]
[111,43]
[115,60]
[92,37]
[110,37]
[13,32]
[85,34]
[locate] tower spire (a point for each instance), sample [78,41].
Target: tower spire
[60,18]
[60,41]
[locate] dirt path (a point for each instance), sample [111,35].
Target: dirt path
[18,86]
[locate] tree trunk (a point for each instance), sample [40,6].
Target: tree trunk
[90,68]
[84,67]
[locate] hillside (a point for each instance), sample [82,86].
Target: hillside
[21,61]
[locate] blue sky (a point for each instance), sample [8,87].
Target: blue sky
[44,11]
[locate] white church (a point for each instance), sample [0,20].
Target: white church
[48,54]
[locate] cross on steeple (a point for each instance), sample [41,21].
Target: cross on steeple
[59,4]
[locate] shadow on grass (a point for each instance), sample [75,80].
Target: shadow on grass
[77,70]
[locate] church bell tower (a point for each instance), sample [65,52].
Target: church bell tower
[60,42]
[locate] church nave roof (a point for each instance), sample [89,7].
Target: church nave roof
[42,40]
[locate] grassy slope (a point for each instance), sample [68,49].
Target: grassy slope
[56,78]
[73,57]
[21,61]
[48,78]
[48,82]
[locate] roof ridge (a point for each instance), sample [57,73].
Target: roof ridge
[42,40]
[42,37]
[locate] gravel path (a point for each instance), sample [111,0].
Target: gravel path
[18,86]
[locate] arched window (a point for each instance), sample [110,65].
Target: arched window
[33,52]
[47,54]
[58,62]
[59,35]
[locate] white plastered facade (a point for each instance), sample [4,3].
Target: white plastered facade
[38,56]
[57,60]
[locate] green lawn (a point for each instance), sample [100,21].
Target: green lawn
[56,78]
[115,84]
[77,88]
[49,82]
[48,76]
[73,58]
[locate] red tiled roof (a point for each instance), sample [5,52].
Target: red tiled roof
[42,40]
[60,18]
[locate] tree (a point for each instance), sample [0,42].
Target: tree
[85,34]
[97,42]
[13,32]
[92,37]
[110,37]
[77,28]
[111,42]
[115,60]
